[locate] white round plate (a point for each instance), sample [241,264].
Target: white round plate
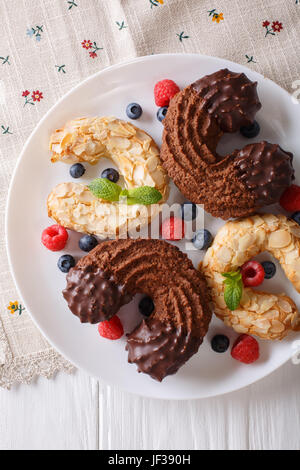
[34,268]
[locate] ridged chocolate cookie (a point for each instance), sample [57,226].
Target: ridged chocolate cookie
[112,273]
[235,185]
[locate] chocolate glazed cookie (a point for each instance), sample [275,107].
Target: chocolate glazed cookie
[235,185]
[111,274]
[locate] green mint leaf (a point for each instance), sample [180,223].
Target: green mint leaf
[124,193]
[145,195]
[102,188]
[233,289]
[233,275]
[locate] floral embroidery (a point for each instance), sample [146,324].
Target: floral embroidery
[5,130]
[217,17]
[35,96]
[250,59]
[91,45]
[35,32]
[156,3]
[14,307]
[86,44]
[5,60]
[61,68]
[121,25]
[276,27]
[71,4]
[181,36]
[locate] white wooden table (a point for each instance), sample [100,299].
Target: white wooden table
[76,412]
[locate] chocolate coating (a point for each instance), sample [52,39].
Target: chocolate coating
[160,350]
[266,170]
[231,98]
[194,124]
[160,270]
[93,295]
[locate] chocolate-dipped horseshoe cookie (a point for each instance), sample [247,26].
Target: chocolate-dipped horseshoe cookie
[235,185]
[111,274]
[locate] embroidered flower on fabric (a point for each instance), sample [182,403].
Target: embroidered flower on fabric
[182,36]
[86,44]
[14,307]
[61,68]
[91,45]
[156,3]
[37,95]
[72,4]
[32,97]
[5,60]
[217,17]
[250,58]
[276,26]
[35,32]
[273,28]
[5,130]
[121,25]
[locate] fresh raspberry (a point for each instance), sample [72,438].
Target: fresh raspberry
[290,199]
[164,91]
[253,273]
[172,229]
[55,237]
[111,329]
[245,349]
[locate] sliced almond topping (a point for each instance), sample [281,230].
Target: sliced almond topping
[279,239]
[284,305]
[277,326]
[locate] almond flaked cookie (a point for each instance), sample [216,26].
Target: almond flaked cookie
[136,156]
[269,316]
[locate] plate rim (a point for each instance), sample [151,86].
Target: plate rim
[8,204]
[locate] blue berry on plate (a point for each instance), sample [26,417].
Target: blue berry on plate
[189,211]
[250,131]
[146,306]
[77,170]
[111,174]
[269,268]
[202,239]
[161,113]
[65,263]
[296,217]
[87,243]
[220,343]
[134,111]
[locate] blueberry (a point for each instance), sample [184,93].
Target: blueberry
[77,170]
[189,211]
[161,113]
[146,306]
[88,242]
[296,217]
[111,174]
[202,239]
[65,263]
[220,343]
[134,111]
[269,268]
[250,131]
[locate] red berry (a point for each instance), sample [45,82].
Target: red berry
[164,91]
[55,237]
[245,349]
[172,229]
[290,199]
[253,273]
[111,329]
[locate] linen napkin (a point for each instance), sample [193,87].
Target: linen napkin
[49,46]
